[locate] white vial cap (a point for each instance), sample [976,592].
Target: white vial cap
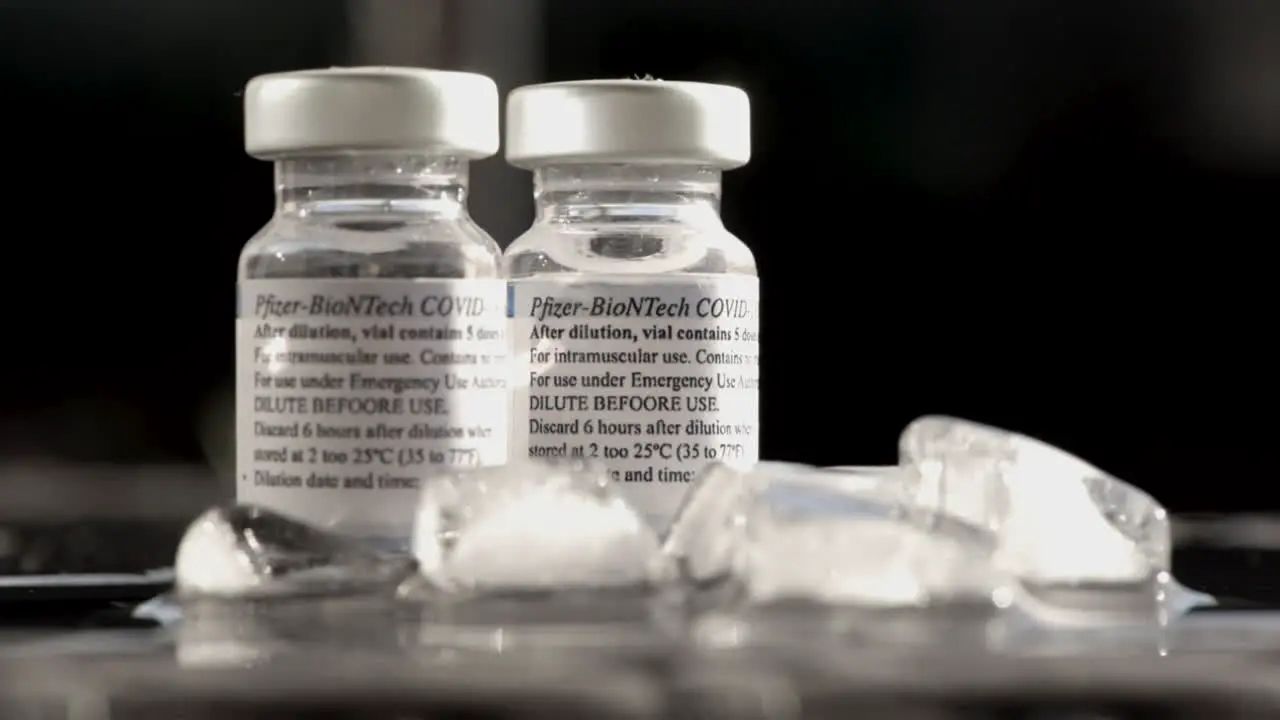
[628,121]
[371,109]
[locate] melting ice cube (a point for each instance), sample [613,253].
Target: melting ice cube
[1059,520]
[530,527]
[246,551]
[882,562]
[707,536]
[162,609]
[794,532]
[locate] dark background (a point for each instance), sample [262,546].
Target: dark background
[1050,215]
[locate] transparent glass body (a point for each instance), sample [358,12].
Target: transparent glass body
[627,220]
[371,215]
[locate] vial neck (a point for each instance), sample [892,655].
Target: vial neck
[375,184]
[628,194]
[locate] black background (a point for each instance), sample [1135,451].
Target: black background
[1047,215]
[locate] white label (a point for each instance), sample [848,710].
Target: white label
[653,378]
[350,392]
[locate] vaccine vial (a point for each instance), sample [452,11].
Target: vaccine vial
[635,313]
[371,332]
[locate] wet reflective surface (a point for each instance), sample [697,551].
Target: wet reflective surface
[83,654]
[130,680]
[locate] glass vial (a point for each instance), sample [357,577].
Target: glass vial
[635,313]
[371,331]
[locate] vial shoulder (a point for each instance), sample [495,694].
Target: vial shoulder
[647,250]
[371,248]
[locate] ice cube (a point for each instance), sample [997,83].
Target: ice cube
[783,531]
[956,471]
[706,536]
[244,551]
[849,546]
[162,609]
[533,526]
[876,562]
[1059,519]
[883,481]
